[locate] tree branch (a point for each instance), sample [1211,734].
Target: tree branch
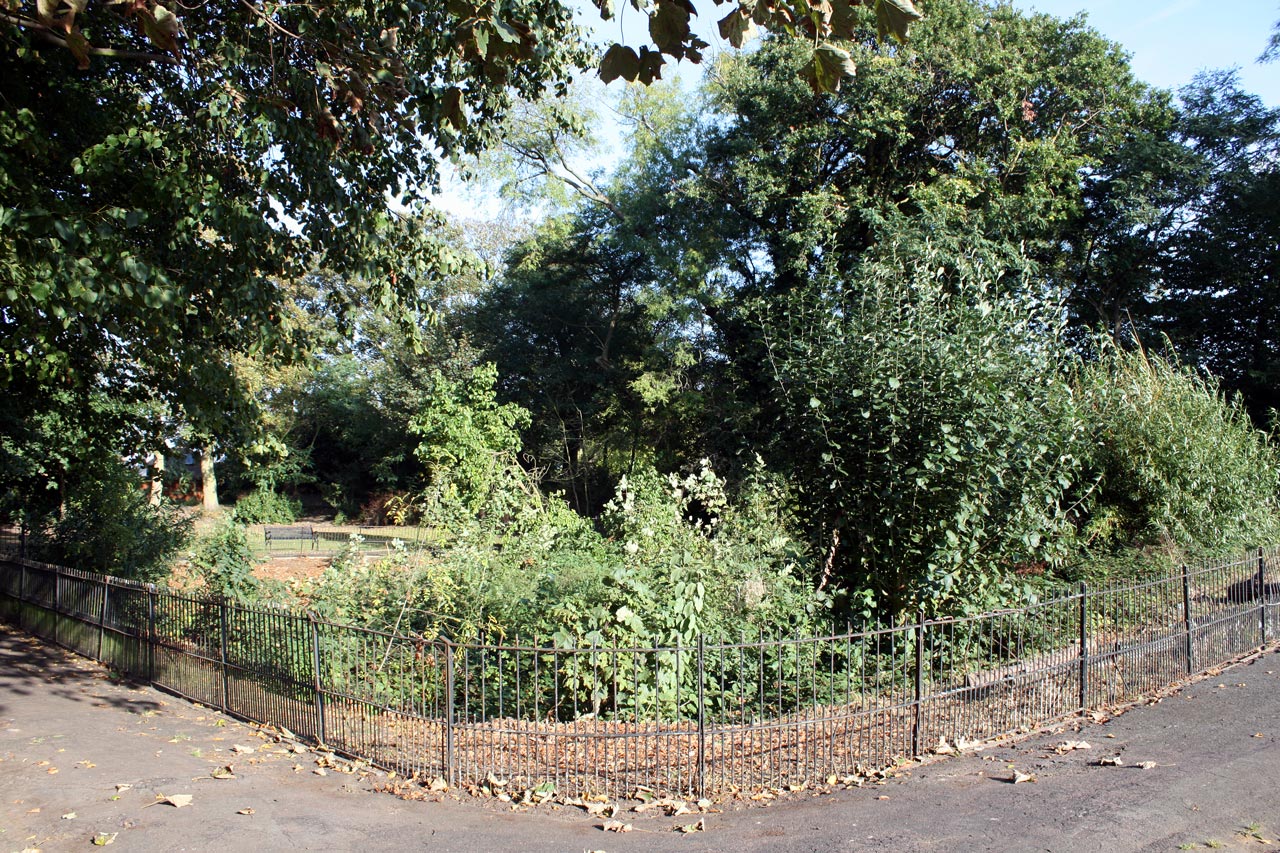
[49,36]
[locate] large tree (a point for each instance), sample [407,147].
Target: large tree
[1221,287]
[160,179]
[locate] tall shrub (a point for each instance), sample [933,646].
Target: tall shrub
[929,419]
[1175,462]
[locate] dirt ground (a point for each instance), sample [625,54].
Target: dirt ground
[291,568]
[85,757]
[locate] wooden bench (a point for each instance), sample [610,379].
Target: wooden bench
[293,533]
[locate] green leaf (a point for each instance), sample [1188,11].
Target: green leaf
[895,17]
[829,67]
[619,61]
[737,28]
[669,28]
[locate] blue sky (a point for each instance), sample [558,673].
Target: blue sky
[1171,41]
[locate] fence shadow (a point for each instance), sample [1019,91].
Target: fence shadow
[31,667]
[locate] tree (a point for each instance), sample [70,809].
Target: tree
[1222,283]
[159,182]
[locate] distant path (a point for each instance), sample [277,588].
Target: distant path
[1213,776]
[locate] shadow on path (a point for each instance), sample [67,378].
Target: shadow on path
[30,667]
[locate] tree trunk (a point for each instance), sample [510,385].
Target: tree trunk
[157,479]
[209,478]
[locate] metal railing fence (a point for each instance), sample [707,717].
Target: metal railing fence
[709,718]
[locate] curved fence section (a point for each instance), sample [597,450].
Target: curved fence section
[718,716]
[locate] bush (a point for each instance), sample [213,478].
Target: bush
[223,562]
[108,526]
[1173,463]
[928,416]
[677,558]
[265,506]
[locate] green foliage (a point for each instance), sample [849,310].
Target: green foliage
[224,564]
[266,506]
[156,212]
[1176,463]
[827,30]
[469,441]
[678,558]
[107,526]
[931,423]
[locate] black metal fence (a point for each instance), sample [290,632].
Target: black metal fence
[707,718]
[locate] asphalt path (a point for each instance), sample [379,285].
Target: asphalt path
[84,756]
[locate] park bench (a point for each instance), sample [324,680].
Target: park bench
[292,533]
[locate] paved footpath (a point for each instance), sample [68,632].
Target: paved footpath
[85,756]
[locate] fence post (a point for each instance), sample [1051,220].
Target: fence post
[1084,646]
[1186,619]
[151,633]
[57,607]
[702,716]
[919,720]
[222,649]
[22,582]
[448,717]
[1262,597]
[102,615]
[316,682]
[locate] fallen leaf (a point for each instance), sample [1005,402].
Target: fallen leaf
[69,816]
[615,826]
[1070,746]
[245,811]
[883,797]
[223,773]
[175,800]
[700,826]
[102,839]
[320,771]
[438,785]
[1147,765]
[1018,777]
[1113,761]
[242,750]
[122,787]
[944,748]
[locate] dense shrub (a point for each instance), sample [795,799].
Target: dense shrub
[664,571]
[265,506]
[108,526]
[1171,462]
[926,411]
[223,562]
